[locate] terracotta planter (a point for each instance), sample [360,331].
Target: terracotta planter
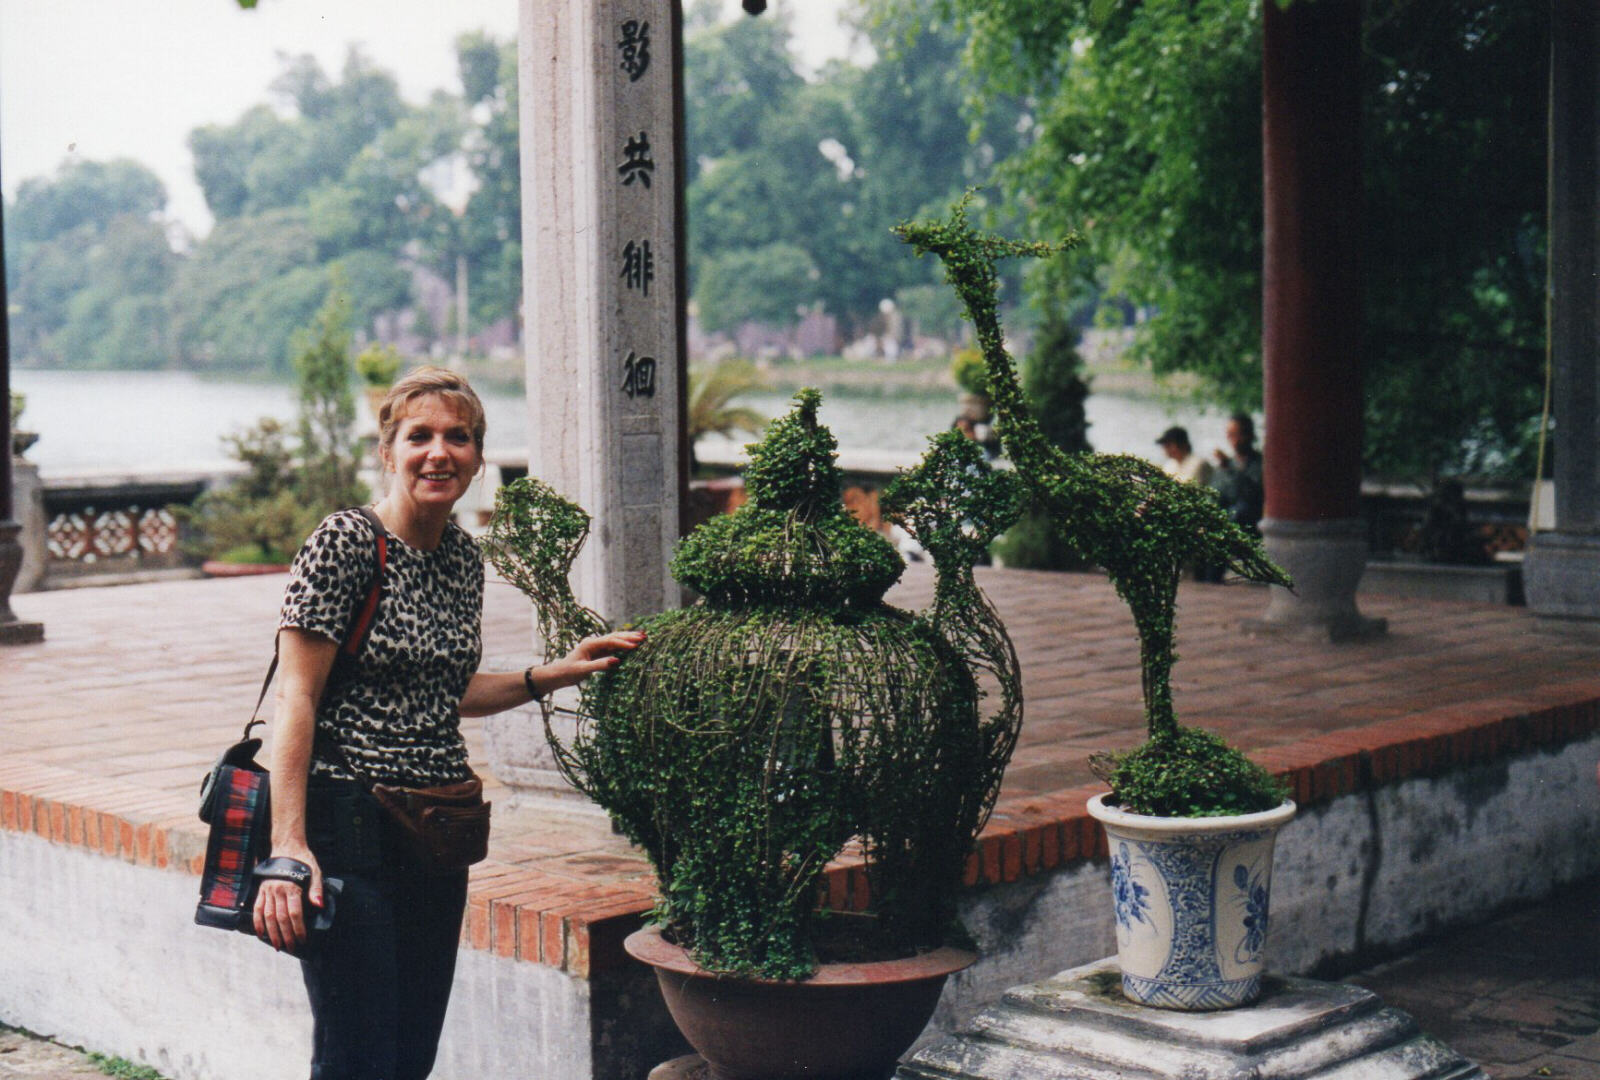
[846,1022]
[214,568]
[1191,897]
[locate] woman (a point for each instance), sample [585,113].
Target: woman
[379,979]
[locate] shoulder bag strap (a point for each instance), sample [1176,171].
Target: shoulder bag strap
[360,628]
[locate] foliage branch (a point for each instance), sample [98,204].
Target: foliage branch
[1125,515]
[265,515]
[791,711]
[1150,112]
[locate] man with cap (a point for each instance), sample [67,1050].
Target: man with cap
[1182,462]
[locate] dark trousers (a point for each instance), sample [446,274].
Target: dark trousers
[379,979]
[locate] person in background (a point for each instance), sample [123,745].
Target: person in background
[1237,478]
[1182,462]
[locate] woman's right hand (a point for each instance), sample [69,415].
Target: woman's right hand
[281,919]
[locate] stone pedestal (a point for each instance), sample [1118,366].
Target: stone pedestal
[1079,1025]
[1561,574]
[1326,560]
[28,500]
[13,631]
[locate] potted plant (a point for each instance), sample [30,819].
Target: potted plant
[254,523]
[20,440]
[788,714]
[377,365]
[972,378]
[1190,820]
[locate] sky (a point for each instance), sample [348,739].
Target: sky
[102,79]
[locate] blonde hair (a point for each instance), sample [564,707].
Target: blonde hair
[450,385]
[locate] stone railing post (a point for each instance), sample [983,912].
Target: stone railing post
[13,631]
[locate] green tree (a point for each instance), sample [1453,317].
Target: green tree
[1147,138]
[83,194]
[256,518]
[826,166]
[736,76]
[265,161]
[119,317]
[490,230]
[765,284]
[241,292]
[88,265]
[328,453]
[380,201]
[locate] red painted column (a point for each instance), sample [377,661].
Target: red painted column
[1311,274]
[1311,317]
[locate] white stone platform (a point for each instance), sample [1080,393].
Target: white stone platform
[1078,1026]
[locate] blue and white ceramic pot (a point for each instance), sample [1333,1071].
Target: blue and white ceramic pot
[1191,898]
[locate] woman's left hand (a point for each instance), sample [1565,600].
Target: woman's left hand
[590,655]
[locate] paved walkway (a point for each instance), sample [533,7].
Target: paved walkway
[107,726]
[1519,995]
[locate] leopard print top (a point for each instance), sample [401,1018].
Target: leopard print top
[394,708]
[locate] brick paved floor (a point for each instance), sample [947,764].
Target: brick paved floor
[148,683]
[1520,994]
[142,685]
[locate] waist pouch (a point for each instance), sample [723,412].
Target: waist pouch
[442,828]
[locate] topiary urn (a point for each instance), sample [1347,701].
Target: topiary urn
[791,712]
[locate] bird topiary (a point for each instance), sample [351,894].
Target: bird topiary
[791,711]
[1126,516]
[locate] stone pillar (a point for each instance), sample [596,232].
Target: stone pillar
[13,631]
[603,274]
[1311,317]
[1561,574]
[604,288]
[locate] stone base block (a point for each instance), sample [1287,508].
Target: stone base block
[1326,560]
[521,758]
[1497,584]
[1561,574]
[1079,1025]
[21,633]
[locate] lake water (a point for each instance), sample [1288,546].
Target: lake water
[174,420]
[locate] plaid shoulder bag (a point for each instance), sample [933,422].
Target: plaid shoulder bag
[235,796]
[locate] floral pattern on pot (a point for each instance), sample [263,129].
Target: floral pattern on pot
[1191,908]
[1128,895]
[1253,895]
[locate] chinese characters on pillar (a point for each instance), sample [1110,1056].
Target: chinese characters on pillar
[636,161]
[635,48]
[638,266]
[635,171]
[639,376]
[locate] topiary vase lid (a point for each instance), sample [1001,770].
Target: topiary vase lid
[793,543]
